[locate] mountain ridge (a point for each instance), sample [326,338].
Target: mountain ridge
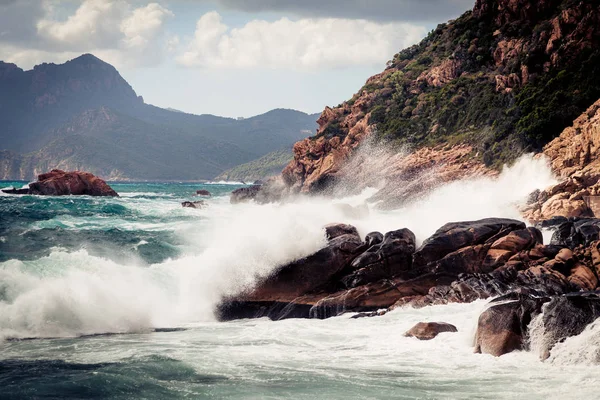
[54,114]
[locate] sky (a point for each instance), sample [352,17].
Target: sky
[234,58]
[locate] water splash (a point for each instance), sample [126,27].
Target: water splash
[226,249]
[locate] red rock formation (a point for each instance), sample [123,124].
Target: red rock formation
[555,35]
[575,158]
[61,183]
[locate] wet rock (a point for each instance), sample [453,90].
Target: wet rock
[299,278]
[566,316]
[203,192]
[573,232]
[456,235]
[15,191]
[193,204]
[334,230]
[389,259]
[429,330]
[376,296]
[502,328]
[583,278]
[61,183]
[244,194]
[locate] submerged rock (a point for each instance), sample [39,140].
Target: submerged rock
[61,183]
[203,192]
[194,204]
[429,330]
[15,191]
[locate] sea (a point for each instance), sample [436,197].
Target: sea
[113,298]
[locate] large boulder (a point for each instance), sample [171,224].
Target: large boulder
[203,192]
[502,327]
[429,330]
[390,258]
[457,235]
[566,316]
[301,277]
[573,232]
[61,183]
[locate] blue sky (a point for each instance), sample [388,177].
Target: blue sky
[225,57]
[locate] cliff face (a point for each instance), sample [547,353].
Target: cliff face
[505,78]
[574,157]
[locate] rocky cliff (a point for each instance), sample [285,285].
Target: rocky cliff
[575,158]
[504,78]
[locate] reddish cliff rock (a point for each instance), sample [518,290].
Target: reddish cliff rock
[61,183]
[575,158]
[444,96]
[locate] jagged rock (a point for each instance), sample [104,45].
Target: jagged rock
[194,204]
[567,316]
[376,296]
[244,194]
[573,232]
[389,259]
[542,270]
[455,236]
[574,156]
[429,330]
[502,327]
[61,183]
[493,44]
[296,279]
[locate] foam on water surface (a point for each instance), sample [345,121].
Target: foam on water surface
[69,291]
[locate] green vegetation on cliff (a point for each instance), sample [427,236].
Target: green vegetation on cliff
[262,168]
[507,78]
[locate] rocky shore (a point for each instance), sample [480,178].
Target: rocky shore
[462,262]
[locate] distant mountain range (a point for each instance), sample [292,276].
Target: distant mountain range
[83,115]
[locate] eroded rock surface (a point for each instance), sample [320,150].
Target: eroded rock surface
[61,183]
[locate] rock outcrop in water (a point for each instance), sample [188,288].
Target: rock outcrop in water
[193,204]
[429,330]
[460,263]
[61,183]
[505,326]
[351,274]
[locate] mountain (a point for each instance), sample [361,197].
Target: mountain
[260,169]
[83,115]
[500,80]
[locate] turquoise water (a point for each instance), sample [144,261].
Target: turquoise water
[113,298]
[31,226]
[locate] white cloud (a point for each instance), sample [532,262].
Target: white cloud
[112,29]
[302,44]
[94,24]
